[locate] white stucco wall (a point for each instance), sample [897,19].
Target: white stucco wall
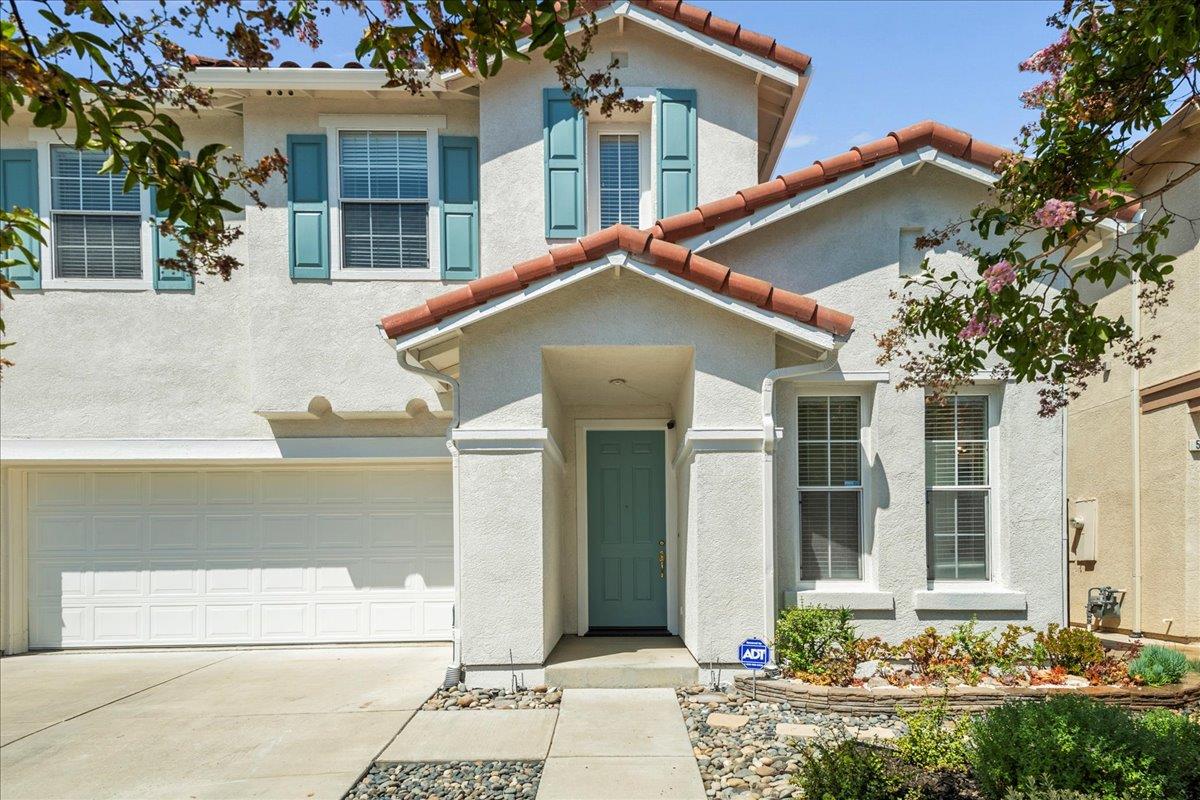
[845,254]
[512,192]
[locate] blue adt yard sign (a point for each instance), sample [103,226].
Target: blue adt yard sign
[754,653]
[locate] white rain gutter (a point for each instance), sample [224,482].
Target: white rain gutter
[1135,433]
[823,364]
[454,671]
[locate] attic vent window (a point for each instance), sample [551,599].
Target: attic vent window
[619,59]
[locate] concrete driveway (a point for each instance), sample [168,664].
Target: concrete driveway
[290,723]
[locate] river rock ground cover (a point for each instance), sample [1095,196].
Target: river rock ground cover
[746,749]
[460,698]
[454,780]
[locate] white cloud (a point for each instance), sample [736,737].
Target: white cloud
[862,137]
[799,140]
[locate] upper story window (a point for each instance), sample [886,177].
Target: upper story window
[830,485]
[96,226]
[384,183]
[620,180]
[958,491]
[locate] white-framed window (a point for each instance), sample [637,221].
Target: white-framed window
[830,487]
[620,179]
[618,173]
[958,489]
[100,236]
[384,196]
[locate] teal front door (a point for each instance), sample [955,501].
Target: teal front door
[626,529]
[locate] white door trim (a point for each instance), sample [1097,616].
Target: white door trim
[582,426]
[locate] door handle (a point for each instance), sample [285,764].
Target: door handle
[662,562]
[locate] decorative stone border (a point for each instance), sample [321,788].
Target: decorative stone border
[864,701]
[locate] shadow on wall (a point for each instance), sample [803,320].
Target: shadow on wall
[321,419]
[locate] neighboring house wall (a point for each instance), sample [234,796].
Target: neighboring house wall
[1105,421]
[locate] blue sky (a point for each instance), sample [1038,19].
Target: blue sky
[877,66]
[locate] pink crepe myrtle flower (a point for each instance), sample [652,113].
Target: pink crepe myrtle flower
[999,275]
[978,327]
[1055,213]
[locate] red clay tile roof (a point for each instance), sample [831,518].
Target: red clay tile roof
[694,17]
[950,141]
[905,140]
[640,244]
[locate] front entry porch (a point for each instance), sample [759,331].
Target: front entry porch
[603,662]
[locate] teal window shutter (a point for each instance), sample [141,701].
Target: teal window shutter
[167,280]
[563,137]
[676,151]
[459,166]
[308,206]
[19,187]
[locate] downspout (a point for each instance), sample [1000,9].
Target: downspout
[823,364]
[1135,433]
[454,673]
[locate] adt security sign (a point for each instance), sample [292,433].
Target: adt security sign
[754,653]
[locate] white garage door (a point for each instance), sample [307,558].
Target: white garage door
[224,556]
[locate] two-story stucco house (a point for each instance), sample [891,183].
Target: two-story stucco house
[627,380]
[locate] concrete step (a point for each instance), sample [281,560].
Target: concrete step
[621,662]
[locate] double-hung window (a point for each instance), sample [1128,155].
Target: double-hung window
[96,226]
[830,478]
[957,487]
[384,198]
[620,180]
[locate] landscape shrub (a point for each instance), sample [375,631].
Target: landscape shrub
[812,639]
[1074,743]
[1157,665]
[933,741]
[1032,791]
[846,769]
[1073,649]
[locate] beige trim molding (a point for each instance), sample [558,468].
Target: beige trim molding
[1176,390]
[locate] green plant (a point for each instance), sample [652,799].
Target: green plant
[1075,743]
[1033,791]
[1157,665]
[1194,664]
[934,741]
[845,769]
[805,636]
[1073,649]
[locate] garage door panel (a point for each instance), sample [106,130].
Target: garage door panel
[117,578]
[118,624]
[229,623]
[229,488]
[174,577]
[117,488]
[174,532]
[59,534]
[174,488]
[225,556]
[229,577]
[118,533]
[291,487]
[231,532]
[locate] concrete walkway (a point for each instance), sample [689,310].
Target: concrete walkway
[600,743]
[628,743]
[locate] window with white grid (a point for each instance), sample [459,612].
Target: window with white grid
[620,189]
[957,487]
[95,224]
[384,197]
[830,490]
